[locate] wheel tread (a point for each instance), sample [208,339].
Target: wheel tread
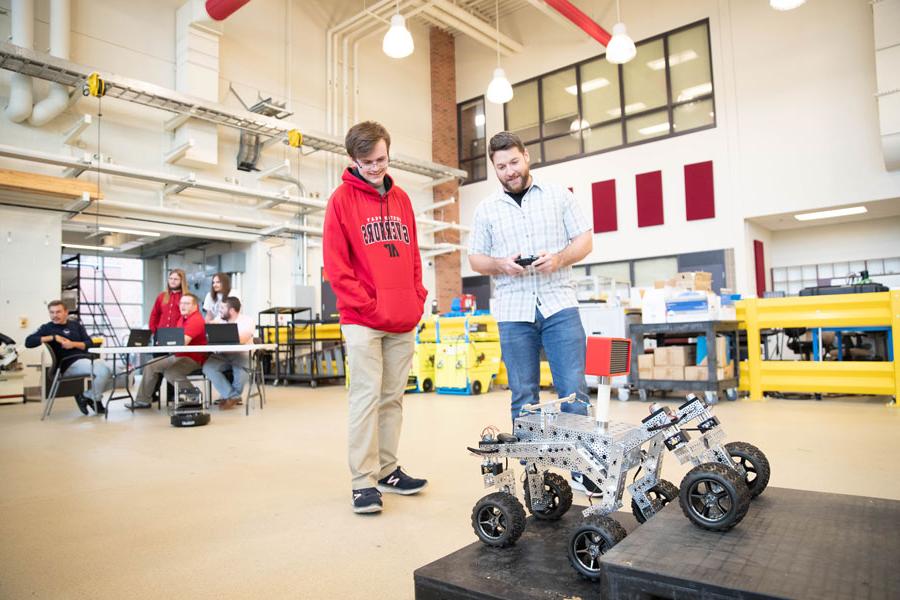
[514,511]
[741,502]
[563,491]
[763,470]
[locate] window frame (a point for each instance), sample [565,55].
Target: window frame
[459,139]
[669,108]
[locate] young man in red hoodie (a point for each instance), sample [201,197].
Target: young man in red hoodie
[372,261]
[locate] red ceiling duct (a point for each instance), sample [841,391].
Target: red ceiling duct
[222,9]
[584,22]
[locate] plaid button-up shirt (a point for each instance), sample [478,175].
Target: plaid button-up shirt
[548,220]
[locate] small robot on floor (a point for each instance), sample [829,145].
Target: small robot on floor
[714,495]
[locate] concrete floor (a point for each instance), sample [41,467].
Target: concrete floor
[259,506]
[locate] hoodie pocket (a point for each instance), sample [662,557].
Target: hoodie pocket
[397,309]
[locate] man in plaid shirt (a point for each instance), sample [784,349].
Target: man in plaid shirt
[535,305]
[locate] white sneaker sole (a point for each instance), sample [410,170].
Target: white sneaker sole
[387,489]
[374,508]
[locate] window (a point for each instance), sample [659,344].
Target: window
[472,151]
[594,106]
[121,293]
[791,280]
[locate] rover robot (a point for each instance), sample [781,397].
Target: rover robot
[714,495]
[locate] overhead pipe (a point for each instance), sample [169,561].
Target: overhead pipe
[157,177]
[59,97]
[21,92]
[220,10]
[584,22]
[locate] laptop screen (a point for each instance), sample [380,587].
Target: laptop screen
[170,336]
[222,333]
[139,338]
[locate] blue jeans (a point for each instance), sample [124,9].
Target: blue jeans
[215,366]
[102,376]
[562,337]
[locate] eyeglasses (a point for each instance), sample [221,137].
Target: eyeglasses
[373,165]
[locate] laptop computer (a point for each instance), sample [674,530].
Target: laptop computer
[222,333]
[138,338]
[170,336]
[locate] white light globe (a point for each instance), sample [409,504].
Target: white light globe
[398,41]
[786,4]
[621,47]
[499,90]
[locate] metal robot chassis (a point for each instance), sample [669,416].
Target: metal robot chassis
[714,495]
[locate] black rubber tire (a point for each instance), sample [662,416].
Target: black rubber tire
[498,519]
[190,420]
[713,486]
[427,385]
[561,492]
[476,387]
[660,494]
[754,462]
[594,537]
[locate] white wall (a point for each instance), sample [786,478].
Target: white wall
[858,240]
[796,121]
[29,276]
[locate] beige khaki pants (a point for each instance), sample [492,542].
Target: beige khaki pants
[378,363]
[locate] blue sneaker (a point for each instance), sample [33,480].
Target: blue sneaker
[399,482]
[367,500]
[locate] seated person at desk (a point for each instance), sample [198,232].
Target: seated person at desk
[69,343]
[177,367]
[237,362]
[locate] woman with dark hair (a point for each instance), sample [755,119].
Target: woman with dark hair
[166,312]
[221,289]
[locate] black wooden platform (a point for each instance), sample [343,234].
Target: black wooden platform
[534,568]
[792,544]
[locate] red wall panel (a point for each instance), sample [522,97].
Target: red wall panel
[699,195]
[760,260]
[603,194]
[649,199]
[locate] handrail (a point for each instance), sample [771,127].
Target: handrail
[878,309]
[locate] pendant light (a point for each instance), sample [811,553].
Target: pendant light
[499,90]
[398,41]
[621,47]
[786,4]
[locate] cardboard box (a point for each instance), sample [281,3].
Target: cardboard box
[645,373]
[699,373]
[721,352]
[674,356]
[645,361]
[668,373]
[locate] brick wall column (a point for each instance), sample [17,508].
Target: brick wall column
[444,136]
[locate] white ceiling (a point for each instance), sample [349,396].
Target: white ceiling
[875,210]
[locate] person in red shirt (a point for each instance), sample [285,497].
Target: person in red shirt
[371,256]
[166,311]
[177,367]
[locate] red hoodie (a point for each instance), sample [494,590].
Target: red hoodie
[372,256]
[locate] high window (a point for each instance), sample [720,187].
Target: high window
[594,106]
[472,150]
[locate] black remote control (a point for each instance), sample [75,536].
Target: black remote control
[524,261]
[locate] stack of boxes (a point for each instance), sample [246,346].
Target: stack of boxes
[669,361]
[687,297]
[680,363]
[725,369]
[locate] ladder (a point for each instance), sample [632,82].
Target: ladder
[92,314]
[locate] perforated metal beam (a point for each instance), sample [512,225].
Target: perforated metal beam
[49,68]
